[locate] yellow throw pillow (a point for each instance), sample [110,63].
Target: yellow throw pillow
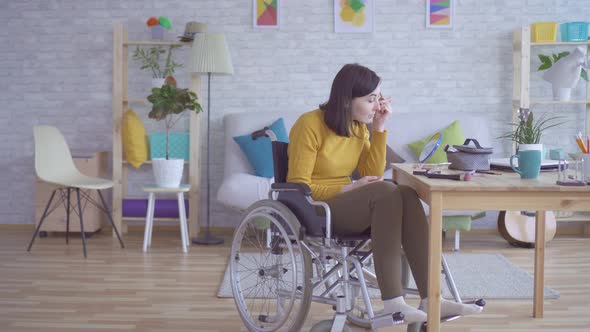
[135,147]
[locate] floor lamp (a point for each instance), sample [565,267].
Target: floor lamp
[209,54]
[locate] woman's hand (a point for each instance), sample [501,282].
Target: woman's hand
[382,113]
[361,182]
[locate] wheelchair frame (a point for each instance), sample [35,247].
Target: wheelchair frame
[342,283]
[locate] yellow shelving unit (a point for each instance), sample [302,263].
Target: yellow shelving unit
[521,60]
[121,102]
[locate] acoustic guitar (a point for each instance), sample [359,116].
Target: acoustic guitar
[518,227]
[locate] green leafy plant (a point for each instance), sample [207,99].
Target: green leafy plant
[169,103]
[150,59]
[528,130]
[548,61]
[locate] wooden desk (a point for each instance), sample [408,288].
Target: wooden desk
[489,192]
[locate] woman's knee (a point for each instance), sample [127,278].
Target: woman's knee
[388,192]
[407,191]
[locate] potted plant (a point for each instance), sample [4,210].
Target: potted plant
[168,105]
[528,131]
[150,59]
[564,79]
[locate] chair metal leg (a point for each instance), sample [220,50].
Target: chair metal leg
[68,216]
[457,240]
[450,281]
[81,222]
[42,220]
[108,213]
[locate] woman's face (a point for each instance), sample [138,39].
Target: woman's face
[365,107]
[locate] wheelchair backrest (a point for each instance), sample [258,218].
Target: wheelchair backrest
[313,224]
[280,161]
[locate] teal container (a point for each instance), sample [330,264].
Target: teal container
[529,163]
[179,145]
[574,31]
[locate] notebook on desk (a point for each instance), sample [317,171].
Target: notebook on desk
[503,164]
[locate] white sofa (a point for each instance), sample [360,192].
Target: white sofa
[241,188]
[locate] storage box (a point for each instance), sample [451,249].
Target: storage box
[179,145]
[543,32]
[574,31]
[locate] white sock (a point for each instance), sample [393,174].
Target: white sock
[452,308]
[411,314]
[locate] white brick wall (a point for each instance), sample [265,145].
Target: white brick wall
[56,68]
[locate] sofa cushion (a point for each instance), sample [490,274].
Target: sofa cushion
[135,146]
[451,135]
[259,151]
[240,190]
[404,128]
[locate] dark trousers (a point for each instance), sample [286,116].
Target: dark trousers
[396,218]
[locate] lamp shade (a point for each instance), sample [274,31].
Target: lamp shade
[210,54]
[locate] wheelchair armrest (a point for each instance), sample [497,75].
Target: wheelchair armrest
[292,186]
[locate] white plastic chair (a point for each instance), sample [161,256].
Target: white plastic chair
[54,164]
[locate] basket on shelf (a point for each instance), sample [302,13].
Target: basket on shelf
[574,31]
[543,32]
[179,145]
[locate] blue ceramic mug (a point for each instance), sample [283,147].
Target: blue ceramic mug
[529,163]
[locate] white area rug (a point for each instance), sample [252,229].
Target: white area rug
[487,276]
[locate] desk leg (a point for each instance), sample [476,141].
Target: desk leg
[539,295]
[434,261]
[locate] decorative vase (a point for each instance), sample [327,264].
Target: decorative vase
[561,94]
[158,82]
[168,173]
[157,32]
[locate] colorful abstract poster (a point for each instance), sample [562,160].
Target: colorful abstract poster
[267,14]
[439,13]
[354,15]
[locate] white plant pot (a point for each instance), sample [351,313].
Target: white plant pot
[540,147]
[158,82]
[525,147]
[562,94]
[168,173]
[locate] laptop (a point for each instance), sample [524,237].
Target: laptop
[503,164]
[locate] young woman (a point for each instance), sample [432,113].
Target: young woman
[326,146]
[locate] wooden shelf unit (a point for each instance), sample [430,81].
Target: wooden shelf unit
[521,60]
[121,102]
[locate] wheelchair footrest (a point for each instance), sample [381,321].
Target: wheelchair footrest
[478,302]
[386,320]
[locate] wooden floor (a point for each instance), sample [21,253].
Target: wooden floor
[53,288]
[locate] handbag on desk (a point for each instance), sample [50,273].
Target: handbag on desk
[467,157]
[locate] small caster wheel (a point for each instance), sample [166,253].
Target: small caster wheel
[88,235]
[43,234]
[326,326]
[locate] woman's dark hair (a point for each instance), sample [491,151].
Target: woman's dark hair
[352,81]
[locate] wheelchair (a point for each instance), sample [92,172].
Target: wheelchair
[284,256]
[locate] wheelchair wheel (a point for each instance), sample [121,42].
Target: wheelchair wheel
[271,284]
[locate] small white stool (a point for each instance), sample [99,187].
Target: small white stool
[149,219]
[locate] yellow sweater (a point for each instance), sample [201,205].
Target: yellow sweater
[324,161]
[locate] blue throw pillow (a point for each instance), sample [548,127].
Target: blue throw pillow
[259,152]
